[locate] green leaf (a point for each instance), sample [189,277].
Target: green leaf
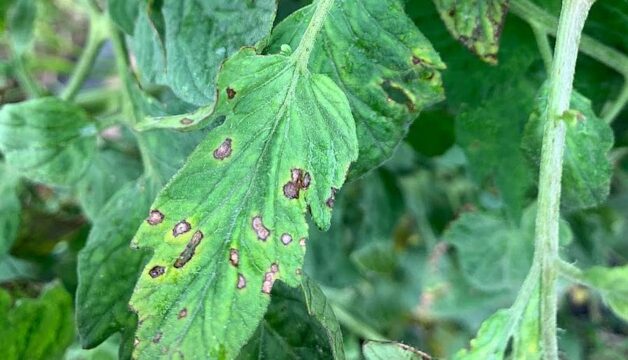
[612,283]
[124,13]
[47,140]
[491,340]
[231,221]
[527,341]
[21,24]
[36,328]
[477,24]
[494,254]
[196,36]
[384,350]
[108,267]
[376,55]
[299,324]
[109,171]
[12,268]
[10,209]
[587,169]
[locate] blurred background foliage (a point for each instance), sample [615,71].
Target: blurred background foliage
[421,250]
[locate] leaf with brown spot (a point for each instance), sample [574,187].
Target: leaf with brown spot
[283,118]
[477,24]
[364,44]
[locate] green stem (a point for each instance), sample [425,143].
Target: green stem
[570,272]
[544,46]
[613,109]
[571,23]
[95,40]
[356,326]
[303,51]
[24,78]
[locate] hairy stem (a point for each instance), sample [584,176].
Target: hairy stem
[95,40]
[571,23]
[302,53]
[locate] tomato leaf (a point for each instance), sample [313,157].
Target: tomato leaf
[477,24]
[377,56]
[612,283]
[38,328]
[196,36]
[232,221]
[47,140]
[299,323]
[587,169]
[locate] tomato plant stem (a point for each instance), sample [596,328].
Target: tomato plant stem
[571,23]
[95,39]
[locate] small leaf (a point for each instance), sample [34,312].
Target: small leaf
[231,221]
[299,324]
[493,253]
[586,166]
[384,350]
[477,24]
[613,286]
[108,268]
[47,140]
[376,55]
[10,209]
[196,36]
[109,171]
[491,340]
[36,329]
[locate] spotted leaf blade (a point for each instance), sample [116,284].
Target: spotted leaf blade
[477,24]
[378,57]
[232,221]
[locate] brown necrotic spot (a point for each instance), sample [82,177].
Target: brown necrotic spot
[231,93]
[224,150]
[234,257]
[286,239]
[262,232]
[186,121]
[188,252]
[269,278]
[241,281]
[155,217]
[183,313]
[300,180]
[332,198]
[156,271]
[181,228]
[416,60]
[157,337]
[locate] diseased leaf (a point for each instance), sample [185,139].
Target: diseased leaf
[47,140]
[231,221]
[36,328]
[299,324]
[10,209]
[477,24]
[613,286]
[494,254]
[380,350]
[377,56]
[181,43]
[586,169]
[109,171]
[108,267]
